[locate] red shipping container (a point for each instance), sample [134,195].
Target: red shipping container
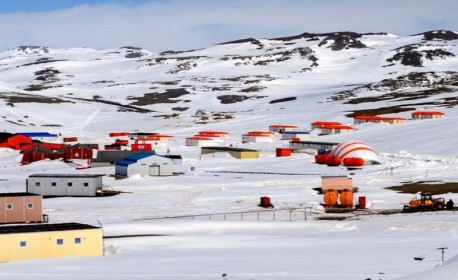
[283,152]
[116,134]
[70,139]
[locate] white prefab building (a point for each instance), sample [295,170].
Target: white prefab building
[289,135]
[198,141]
[49,185]
[144,164]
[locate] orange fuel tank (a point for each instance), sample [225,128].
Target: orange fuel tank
[330,198]
[346,198]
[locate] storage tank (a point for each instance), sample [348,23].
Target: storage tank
[346,198]
[353,161]
[330,198]
[265,202]
[333,161]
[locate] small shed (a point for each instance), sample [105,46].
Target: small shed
[336,183]
[20,208]
[22,242]
[56,185]
[144,164]
[237,153]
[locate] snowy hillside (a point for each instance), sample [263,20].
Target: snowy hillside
[237,87]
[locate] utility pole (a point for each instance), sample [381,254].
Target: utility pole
[443,252]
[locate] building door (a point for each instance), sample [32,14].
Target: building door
[154,170]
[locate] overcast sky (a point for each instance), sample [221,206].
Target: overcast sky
[160,25]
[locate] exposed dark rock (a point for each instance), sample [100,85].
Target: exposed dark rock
[156,98]
[180,109]
[232,98]
[280,100]
[445,35]
[252,89]
[248,40]
[410,55]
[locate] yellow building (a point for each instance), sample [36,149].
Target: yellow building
[49,240]
[237,153]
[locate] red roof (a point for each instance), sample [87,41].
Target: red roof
[320,123]
[282,126]
[259,133]
[336,127]
[428,113]
[378,118]
[198,138]
[212,132]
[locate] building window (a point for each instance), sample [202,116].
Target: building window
[77,240]
[29,205]
[9,206]
[69,184]
[37,184]
[86,184]
[53,184]
[60,241]
[22,244]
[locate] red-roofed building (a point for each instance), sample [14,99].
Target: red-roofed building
[280,128]
[258,137]
[198,141]
[335,129]
[420,115]
[155,139]
[378,119]
[212,134]
[319,124]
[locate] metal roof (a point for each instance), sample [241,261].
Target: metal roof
[44,228]
[137,156]
[66,175]
[295,132]
[17,194]
[229,149]
[37,134]
[112,156]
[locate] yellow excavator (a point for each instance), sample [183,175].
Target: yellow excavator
[425,203]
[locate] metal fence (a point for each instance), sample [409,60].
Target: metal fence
[289,214]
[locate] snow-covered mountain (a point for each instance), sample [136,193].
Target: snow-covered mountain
[236,87]
[368,73]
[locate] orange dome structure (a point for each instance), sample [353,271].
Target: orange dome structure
[355,149]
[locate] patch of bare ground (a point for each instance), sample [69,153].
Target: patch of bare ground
[435,187]
[13,98]
[379,111]
[159,97]
[232,98]
[122,107]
